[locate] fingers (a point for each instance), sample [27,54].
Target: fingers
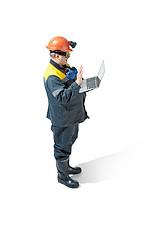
[80,70]
[79,75]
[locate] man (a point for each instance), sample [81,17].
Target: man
[65,106]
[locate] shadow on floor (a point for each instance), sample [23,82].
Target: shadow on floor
[128,163]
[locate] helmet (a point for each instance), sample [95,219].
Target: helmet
[59,43]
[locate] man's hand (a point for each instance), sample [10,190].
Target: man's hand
[79,75]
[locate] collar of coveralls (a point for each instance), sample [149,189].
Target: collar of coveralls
[62,69]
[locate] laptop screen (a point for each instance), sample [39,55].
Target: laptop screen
[101,71]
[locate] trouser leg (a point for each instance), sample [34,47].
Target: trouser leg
[75,170]
[64,138]
[75,135]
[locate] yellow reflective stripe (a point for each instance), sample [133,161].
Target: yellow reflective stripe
[51,70]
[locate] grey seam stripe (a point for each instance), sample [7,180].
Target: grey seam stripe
[56,92]
[65,160]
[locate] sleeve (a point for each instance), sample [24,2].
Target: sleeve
[59,90]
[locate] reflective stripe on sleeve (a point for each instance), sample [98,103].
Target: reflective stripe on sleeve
[56,92]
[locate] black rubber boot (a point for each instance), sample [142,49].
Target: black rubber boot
[63,176]
[75,170]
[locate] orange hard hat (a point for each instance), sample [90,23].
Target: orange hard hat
[59,43]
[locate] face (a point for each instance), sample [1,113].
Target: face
[62,60]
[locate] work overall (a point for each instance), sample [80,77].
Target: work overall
[65,109]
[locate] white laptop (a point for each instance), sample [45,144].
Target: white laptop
[93,82]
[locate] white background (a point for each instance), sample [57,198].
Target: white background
[118,148]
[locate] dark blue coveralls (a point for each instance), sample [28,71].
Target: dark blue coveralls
[65,109]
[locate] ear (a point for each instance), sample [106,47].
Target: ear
[57,56]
